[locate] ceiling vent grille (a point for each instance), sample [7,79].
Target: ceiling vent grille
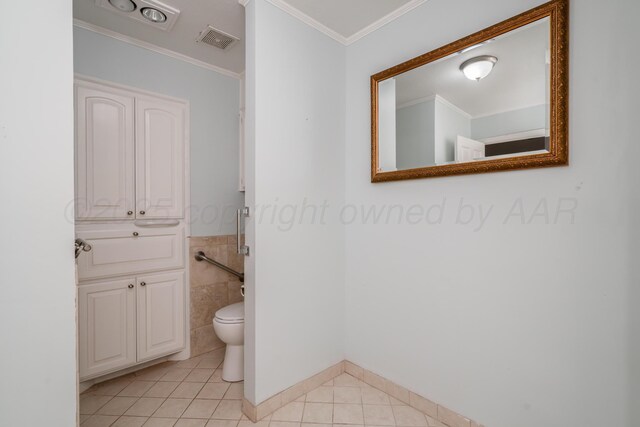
[217,38]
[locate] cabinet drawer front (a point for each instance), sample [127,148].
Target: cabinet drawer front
[106,327]
[119,251]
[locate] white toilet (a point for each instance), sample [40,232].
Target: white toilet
[228,324]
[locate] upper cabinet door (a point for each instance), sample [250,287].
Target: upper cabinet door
[160,142]
[104,153]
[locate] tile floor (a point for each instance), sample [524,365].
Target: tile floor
[191,393]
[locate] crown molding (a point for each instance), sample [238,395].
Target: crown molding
[384,21]
[157,49]
[296,13]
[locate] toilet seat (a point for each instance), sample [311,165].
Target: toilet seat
[230,314]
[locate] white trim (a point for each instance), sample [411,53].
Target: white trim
[497,112]
[157,49]
[297,13]
[534,133]
[384,21]
[434,97]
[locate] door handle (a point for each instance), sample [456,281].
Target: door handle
[240,214]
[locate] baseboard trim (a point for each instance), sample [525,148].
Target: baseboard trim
[443,415]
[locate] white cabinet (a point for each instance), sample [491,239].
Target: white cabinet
[130,154]
[106,323]
[104,154]
[132,186]
[125,248]
[130,320]
[159,158]
[160,314]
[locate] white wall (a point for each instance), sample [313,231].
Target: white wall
[37,308]
[387,143]
[214,106]
[508,122]
[296,103]
[450,122]
[514,324]
[416,133]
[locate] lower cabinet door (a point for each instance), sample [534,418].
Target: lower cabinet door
[106,326]
[161,323]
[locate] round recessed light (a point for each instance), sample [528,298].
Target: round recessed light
[123,5]
[479,67]
[153,15]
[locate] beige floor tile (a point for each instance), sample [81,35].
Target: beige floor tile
[199,375]
[315,425]
[111,388]
[136,388]
[346,380]
[216,377]
[322,394]
[406,416]
[127,421]
[172,408]
[372,396]
[189,363]
[378,415]
[211,362]
[187,390]
[213,391]
[117,406]
[347,414]
[248,423]
[160,422]
[84,418]
[432,422]
[176,374]
[201,408]
[228,410]
[100,421]
[235,391]
[395,402]
[190,422]
[287,424]
[153,373]
[347,395]
[162,389]
[89,404]
[321,413]
[222,423]
[145,407]
[301,398]
[328,383]
[289,412]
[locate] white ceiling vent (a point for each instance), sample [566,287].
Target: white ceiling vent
[137,8]
[217,38]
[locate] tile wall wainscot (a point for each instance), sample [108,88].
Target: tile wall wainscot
[211,288]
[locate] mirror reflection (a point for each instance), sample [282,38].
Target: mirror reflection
[485,102]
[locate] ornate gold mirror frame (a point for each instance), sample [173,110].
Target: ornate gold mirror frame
[558,13]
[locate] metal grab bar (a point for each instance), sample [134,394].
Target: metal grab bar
[200,256]
[242,249]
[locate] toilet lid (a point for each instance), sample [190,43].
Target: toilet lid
[231,313]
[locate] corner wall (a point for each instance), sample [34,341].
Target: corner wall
[37,308]
[510,303]
[295,172]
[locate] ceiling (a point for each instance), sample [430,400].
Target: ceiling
[344,20]
[195,15]
[518,80]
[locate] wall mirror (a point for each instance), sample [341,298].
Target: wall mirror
[495,100]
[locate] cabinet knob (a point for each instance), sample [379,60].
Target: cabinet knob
[142,212]
[143,284]
[130,286]
[135,234]
[129,212]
